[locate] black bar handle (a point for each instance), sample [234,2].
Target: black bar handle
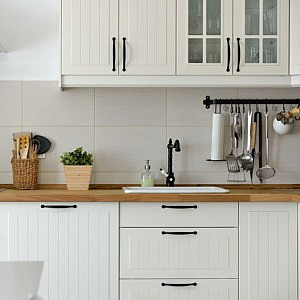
[179,206]
[124,54]
[114,55]
[179,284]
[179,232]
[239,55]
[58,206]
[228,55]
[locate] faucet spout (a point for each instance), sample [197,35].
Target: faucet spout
[170,174]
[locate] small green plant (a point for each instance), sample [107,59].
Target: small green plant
[78,157]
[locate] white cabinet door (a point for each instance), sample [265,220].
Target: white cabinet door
[268,251]
[204,42]
[179,214]
[149,29]
[294,37]
[195,289]
[262,27]
[79,247]
[88,29]
[179,253]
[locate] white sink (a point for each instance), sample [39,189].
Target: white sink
[175,190]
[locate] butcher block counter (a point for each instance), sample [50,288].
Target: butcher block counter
[114,193]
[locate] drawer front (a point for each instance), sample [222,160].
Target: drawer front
[202,289]
[163,253]
[196,214]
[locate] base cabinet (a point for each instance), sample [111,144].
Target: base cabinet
[79,247]
[171,289]
[268,251]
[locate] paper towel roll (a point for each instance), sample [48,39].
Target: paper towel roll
[217,137]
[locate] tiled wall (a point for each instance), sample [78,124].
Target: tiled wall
[125,126]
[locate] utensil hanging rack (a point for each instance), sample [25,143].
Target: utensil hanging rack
[208,101]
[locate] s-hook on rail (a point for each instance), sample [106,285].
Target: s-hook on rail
[208,101]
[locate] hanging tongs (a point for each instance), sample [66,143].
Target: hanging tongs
[257,120]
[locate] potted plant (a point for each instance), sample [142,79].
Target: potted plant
[78,168]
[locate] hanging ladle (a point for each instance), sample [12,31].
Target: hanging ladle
[267,171]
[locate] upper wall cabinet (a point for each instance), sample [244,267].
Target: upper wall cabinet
[245,37]
[261,30]
[134,37]
[147,37]
[89,37]
[294,38]
[204,37]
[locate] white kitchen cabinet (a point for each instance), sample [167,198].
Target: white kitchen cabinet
[295,42]
[245,37]
[147,37]
[204,42]
[111,37]
[261,32]
[178,253]
[79,247]
[268,251]
[200,289]
[88,29]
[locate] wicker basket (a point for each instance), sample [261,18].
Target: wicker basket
[25,173]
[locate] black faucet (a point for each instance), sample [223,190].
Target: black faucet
[170,175]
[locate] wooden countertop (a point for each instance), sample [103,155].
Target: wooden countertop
[278,193]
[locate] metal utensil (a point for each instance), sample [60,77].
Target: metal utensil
[253,142]
[247,159]
[267,171]
[231,160]
[243,125]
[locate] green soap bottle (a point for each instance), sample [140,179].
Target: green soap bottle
[147,179]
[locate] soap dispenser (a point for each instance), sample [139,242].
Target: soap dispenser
[147,179]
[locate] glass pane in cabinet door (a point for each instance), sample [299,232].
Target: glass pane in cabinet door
[213,51]
[195,17]
[195,51]
[213,17]
[270,17]
[270,51]
[252,51]
[252,17]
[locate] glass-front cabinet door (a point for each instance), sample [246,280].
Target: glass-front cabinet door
[204,41]
[261,37]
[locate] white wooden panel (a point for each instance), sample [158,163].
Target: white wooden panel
[282,65]
[149,28]
[87,31]
[186,68]
[79,247]
[268,246]
[206,289]
[152,214]
[294,37]
[147,253]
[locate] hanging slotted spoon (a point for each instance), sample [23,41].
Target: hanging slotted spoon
[267,171]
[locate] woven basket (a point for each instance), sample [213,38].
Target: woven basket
[25,173]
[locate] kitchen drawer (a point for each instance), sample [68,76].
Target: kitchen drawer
[202,289]
[171,253]
[158,214]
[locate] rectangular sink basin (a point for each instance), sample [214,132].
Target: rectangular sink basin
[175,190]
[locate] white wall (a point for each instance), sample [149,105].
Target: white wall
[29,31]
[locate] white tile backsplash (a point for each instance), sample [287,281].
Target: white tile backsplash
[125,126]
[11,103]
[131,107]
[45,105]
[125,149]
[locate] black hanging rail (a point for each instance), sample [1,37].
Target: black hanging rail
[208,101]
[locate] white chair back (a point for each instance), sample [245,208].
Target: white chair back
[20,280]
